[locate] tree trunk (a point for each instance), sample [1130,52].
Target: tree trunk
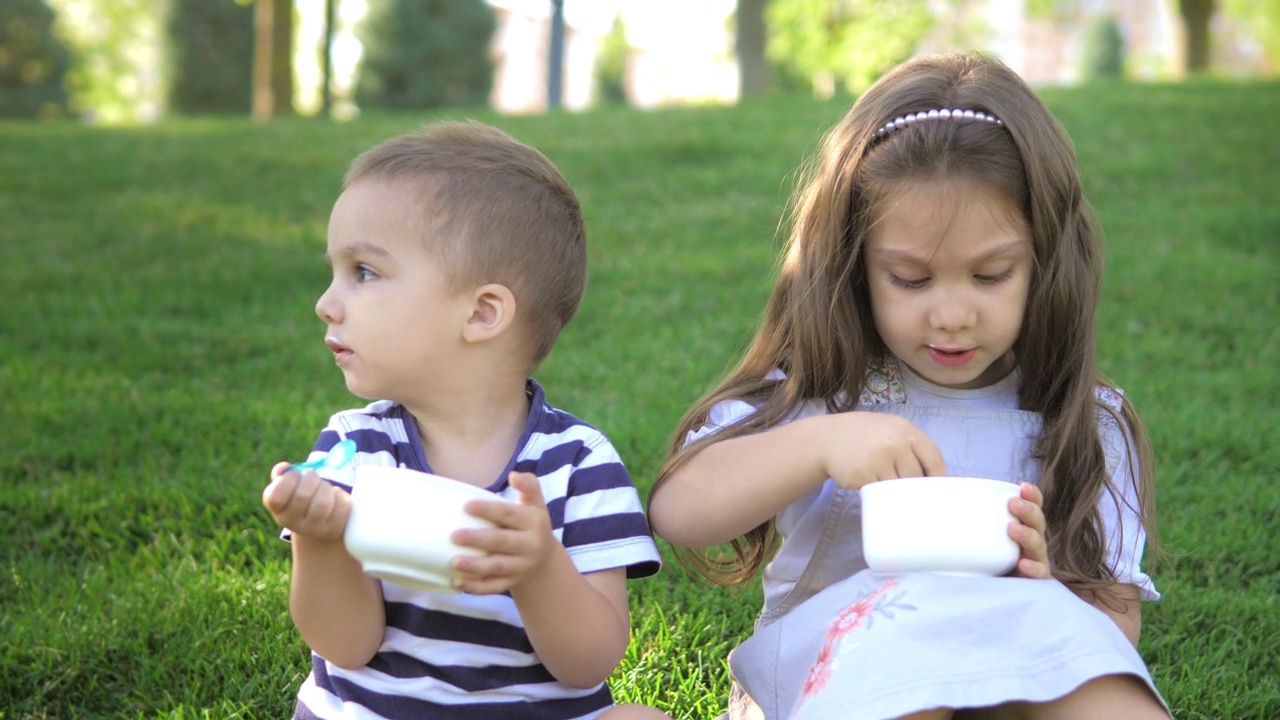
[1196,16]
[753,68]
[272,58]
[555,57]
[326,60]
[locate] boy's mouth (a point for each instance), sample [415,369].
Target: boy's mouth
[340,351]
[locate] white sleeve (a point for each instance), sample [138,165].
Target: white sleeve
[1124,535]
[722,415]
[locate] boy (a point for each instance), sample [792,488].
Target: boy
[458,254]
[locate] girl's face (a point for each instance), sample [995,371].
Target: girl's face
[949,266]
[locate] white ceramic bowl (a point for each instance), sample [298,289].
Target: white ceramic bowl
[950,525]
[401,521]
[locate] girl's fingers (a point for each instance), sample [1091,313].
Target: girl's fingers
[1033,569]
[929,457]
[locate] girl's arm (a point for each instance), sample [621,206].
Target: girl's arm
[335,606]
[1128,616]
[729,487]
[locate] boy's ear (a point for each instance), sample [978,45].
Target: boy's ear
[493,310]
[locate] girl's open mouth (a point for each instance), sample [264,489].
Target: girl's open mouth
[951,357]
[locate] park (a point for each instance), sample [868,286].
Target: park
[159,351]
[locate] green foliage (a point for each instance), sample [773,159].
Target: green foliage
[1103,49]
[1057,10]
[118,70]
[425,54]
[211,50]
[843,43]
[1261,20]
[159,352]
[33,61]
[611,65]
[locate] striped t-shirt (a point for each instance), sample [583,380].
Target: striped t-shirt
[467,656]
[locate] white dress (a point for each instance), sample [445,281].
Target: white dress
[836,639]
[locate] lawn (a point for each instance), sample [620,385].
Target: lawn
[159,352]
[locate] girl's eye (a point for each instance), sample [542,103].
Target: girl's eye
[364,273]
[993,279]
[910,284]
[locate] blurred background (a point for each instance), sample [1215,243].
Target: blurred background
[135,61]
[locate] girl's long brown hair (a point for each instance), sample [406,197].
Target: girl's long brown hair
[817,327]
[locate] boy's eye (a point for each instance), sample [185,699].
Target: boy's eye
[909,283]
[364,273]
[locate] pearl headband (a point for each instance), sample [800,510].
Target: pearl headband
[943,114]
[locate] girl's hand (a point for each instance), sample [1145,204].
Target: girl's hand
[1028,532]
[306,504]
[857,448]
[516,550]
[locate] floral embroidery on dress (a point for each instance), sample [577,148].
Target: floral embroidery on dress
[883,384]
[857,615]
[1111,397]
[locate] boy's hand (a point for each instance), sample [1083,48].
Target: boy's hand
[306,504]
[1028,532]
[516,550]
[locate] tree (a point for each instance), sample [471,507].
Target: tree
[211,48]
[272,58]
[1103,49]
[1196,15]
[844,43]
[425,53]
[33,62]
[750,41]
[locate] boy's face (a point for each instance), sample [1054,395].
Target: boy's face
[394,325]
[949,268]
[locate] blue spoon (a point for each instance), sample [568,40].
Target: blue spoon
[337,457]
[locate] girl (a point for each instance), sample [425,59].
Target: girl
[933,315]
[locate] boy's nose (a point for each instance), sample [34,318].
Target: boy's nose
[327,306]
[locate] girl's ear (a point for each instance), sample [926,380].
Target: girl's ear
[493,310]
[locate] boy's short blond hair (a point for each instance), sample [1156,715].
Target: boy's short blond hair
[493,210]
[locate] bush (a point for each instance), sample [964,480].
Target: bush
[33,62]
[211,50]
[611,65]
[425,53]
[1103,50]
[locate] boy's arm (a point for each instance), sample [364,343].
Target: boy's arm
[335,606]
[579,625]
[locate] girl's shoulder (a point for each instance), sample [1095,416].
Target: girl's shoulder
[1111,397]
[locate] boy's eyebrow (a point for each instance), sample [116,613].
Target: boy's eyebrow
[359,248]
[909,257]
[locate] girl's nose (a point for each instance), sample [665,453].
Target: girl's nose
[951,312]
[328,307]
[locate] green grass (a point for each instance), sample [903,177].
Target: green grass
[158,352]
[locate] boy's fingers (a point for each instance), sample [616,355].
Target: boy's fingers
[528,486]
[279,492]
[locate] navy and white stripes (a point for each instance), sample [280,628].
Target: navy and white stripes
[467,656]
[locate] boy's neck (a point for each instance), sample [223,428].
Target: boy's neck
[471,434]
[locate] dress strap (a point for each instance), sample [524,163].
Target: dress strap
[1111,397]
[883,384]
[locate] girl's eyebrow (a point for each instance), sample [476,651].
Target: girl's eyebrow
[906,256]
[358,249]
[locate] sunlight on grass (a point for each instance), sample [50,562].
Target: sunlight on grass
[159,351]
